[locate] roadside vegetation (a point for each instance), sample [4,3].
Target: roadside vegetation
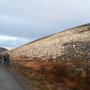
[53,75]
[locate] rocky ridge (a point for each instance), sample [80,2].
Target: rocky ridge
[73,43]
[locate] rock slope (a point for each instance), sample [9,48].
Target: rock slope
[71,44]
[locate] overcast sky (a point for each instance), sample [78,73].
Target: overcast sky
[22,21]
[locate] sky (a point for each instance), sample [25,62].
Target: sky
[22,21]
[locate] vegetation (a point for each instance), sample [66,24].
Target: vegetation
[48,75]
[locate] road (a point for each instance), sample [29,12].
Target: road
[7,81]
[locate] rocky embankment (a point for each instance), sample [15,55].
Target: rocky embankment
[73,43]
[57,62]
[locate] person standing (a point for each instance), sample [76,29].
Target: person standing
[7,60]
[4,58]
[0,59]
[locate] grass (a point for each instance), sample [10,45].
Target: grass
[53,75]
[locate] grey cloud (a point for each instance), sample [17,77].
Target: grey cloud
[32,19]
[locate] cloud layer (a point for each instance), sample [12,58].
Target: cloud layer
[32,19]
[11,42]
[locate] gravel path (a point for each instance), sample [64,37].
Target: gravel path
[7,81]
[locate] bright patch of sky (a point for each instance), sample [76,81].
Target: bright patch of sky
[10,42]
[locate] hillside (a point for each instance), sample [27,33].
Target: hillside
[70,44]
[2,49]
[57,62]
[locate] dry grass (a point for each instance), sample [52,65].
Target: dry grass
[47,75]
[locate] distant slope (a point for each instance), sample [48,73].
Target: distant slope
[2,49]
[72,44]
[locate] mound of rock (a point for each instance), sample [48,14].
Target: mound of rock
[71,44]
